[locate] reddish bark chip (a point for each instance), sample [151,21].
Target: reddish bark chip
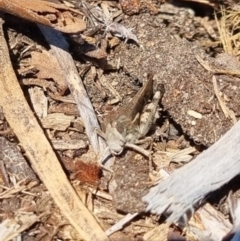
[130,7]
[87,172]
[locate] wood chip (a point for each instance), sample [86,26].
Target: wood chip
[45,63]
[10,228]
[208,224]
[194,114]
[68,145]
[159,233]
[57,121]
[39,101]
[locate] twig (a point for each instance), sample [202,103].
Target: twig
[119,225]
[227,112]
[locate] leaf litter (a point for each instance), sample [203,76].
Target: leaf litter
[189,89]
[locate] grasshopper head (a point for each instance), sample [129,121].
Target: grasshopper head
[114,139]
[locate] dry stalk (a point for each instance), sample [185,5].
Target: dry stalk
[227,112]
[59,48]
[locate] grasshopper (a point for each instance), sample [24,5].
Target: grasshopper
[130,123]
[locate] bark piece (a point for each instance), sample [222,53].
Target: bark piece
[188,186]
[14,162]
[45,62]
[207,224]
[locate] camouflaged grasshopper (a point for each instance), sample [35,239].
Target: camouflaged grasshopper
[129,123]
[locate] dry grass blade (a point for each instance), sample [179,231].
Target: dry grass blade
[224,32]
[215,70]
[39,151]
[228,27]
[10,192]
[47,13]
[207,2]
[227,112]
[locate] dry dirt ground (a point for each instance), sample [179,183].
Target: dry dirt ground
[179,44]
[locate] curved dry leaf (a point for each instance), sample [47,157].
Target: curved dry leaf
[54,15]
[45,62]
[97,54]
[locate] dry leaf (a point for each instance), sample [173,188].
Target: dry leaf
[54,15]
[45,63]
